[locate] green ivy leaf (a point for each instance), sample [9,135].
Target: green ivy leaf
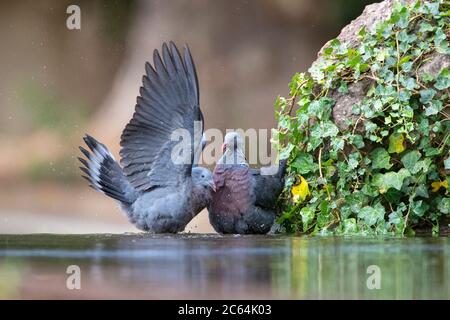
[371,215]
[422,191]
[307,217]
[404,60]
[427,95]
[343,88]
[396,217]
[396,143]
[304,163]
[362,32]
[443,80]
[320,108]
[285,152]
[447,163]
[380,159]
[425,27]
[324,130]
[409,83]
[370,126]
[432,7]
[444,206]
[440,41]
[434,107]
[358,141]
[427,78]
[410,160]
[390,180]
[349,226]
[419,208]
[393,196]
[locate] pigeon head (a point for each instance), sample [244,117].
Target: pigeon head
[203,187]
[233,141]
[233,149]
[202,177]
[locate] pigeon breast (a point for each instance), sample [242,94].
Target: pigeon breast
[234,184]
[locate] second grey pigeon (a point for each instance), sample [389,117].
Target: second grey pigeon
[159,190]
[245,198]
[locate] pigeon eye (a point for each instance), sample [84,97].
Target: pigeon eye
[203,175]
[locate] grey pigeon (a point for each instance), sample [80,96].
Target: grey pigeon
[159,190]
[245,199]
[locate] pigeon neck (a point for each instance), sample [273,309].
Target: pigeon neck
[201,198]
[233,157]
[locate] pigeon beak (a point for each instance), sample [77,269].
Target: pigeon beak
[224,147]
[212,186]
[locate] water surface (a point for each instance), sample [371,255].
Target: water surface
[213,266]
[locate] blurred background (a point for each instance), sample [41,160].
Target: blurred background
[56,84]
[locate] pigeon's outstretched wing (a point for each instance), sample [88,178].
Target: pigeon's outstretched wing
[168,101]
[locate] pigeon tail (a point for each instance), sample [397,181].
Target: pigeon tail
[282,166]
[104,173]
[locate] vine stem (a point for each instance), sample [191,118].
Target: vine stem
[292,105]
[447,116]
[442,145]
[320,163]
[398,62]
[294,97]
[356,124]
[411,198]
[406,218]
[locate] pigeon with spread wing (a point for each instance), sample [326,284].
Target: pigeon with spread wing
[158,186]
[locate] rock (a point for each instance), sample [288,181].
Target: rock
[371,16]
[434,64]
[342,111]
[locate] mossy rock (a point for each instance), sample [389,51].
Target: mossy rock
[368,128]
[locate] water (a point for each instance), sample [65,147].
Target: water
[213,266]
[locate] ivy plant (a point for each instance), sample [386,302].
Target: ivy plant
[387,170]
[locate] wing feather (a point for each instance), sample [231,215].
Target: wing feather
[269,187]
[169,100]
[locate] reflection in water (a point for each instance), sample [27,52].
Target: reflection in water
[211,266]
